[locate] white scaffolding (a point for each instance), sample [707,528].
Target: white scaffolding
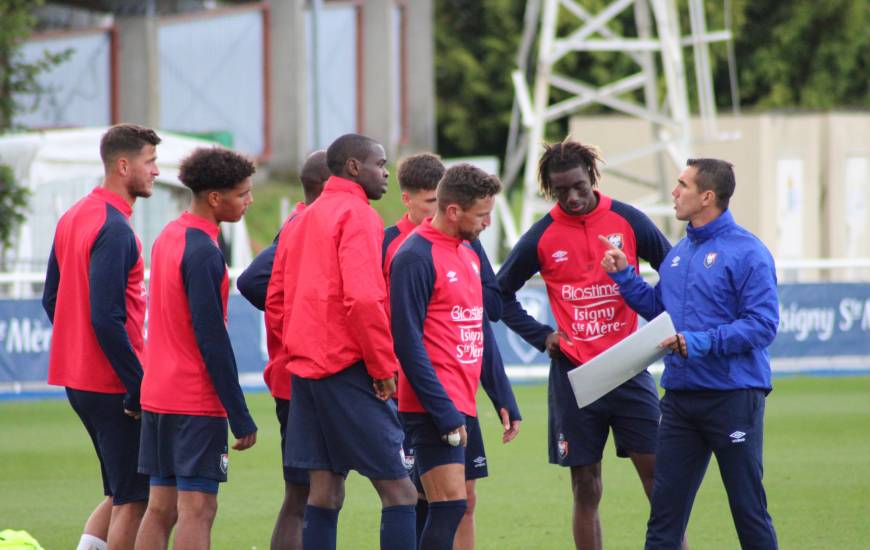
[658,41]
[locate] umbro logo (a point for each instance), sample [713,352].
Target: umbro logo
[738,437]
[480,462]
[560,255]
[451,276]
[675,262]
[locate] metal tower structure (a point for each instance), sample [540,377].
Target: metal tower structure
[659,42]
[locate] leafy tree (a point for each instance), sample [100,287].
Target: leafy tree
[801,54]
[18,79]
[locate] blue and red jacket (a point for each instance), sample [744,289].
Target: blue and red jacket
[586,302]
[493,377]
[190,367]
[334,292]
[98,341]
[263,287]
[436,302]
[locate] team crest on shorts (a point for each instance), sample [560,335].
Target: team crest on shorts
[710,259]
[225,462]
[407,459]
[616,240]
[563,447]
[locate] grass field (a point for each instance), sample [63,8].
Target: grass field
[817,459]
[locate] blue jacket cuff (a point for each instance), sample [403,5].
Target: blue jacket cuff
[624,276]
[697,343]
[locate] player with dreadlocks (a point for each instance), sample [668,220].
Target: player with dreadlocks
[591,317]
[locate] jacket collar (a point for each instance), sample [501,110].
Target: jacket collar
[600,209]
[435,236]
[711,229]
[114,199]
[336,184]
[405,225]
[192,220]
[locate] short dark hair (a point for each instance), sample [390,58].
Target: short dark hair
[420,172]
[213,169]
[347,147]
[463,184]
[715,175]
[125,139]
[564,156]
[314,174]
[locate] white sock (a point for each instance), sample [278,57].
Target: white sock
[90,542]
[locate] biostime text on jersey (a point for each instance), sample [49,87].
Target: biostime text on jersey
[595,313]
[470,321]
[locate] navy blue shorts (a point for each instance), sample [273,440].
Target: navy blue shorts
[116,439]
[182,483]
[183,445]
[577,436]
[430,451]
[338,424]
[295,476]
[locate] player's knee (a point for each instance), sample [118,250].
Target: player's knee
[295,498]
[587,485]
[164,513]
[396,492]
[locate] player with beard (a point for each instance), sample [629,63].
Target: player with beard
[95,297]
[437,314]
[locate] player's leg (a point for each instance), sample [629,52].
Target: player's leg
[475,468]
[682,457]
[287,534]
[738,447]
[197,508]
[160,516]
[124,525]
[576,440]
[96,529]
[464,539]
[442,474]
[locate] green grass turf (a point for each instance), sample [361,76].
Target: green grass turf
[816,458]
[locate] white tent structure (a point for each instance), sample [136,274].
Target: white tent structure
[61,166]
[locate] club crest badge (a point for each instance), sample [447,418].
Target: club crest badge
[710,259]
[225,462]
[616,240]
[563,447]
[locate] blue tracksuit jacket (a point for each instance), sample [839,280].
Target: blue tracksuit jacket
[719,286]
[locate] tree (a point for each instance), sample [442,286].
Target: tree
[18,80]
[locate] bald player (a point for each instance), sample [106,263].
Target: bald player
[260,288]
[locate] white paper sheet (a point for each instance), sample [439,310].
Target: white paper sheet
[612,367]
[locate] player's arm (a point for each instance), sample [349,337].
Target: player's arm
[365,293]
[521,265]
[274,306]
[52,281]
[495,383]
[412,280]
[113,255]
[253,283]
[640,296]
[754,289]
[491,293]
[203,270]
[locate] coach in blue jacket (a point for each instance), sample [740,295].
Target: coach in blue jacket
[719,286]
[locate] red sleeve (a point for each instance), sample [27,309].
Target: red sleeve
[365,294]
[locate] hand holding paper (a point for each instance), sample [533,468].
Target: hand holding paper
[626,359]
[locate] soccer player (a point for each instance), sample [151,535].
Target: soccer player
[96,347]
[191,384]
[591,316]
[418,179]
[337,337]
[266,292]
[719,286]
[436,302]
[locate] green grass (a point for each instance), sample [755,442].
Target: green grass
[817,446]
